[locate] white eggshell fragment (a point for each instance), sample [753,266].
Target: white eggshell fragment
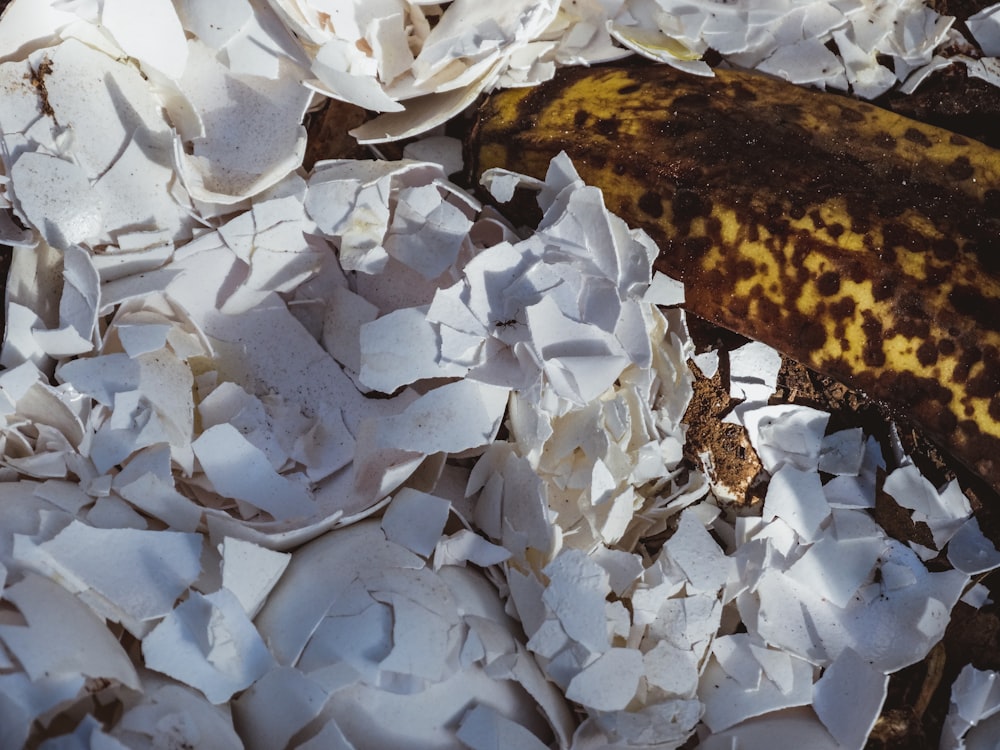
[208,642]
[169,711]
[150,32]
[250,133]
[211,355]
[61,637]
[972,715]
[363,617]
[848,698]
[250,572]
[55,196]
[136,578]
[114,173]
[985,27]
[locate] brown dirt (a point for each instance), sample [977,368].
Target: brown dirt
[328,133]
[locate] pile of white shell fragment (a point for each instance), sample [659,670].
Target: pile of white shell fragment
[339,459]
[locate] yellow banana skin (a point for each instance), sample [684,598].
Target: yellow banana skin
[859,242]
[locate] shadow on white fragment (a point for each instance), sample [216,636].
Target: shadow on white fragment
[484,728]
[467,546]
[985,27]
[250,571]
[170,712]
[610,682]
[785,434]
[126,575]
[796,497]
[54,196]
[239,470]
[974,714]
[944,511]
[60,646]
[209,643]
[457,416]
[392,652]
[151,33]
[753,371]
[848,698]
[92,160]
[249,134]
[970,551]
[62,637]
[891,623]
[277,706]
[415,520]
[728,702]
[794,727]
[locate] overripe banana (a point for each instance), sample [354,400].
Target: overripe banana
[861,243]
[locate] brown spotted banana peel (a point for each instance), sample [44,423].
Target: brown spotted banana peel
[859,242]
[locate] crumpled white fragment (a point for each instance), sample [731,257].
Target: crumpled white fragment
[420,64]
[795,605]
[129,576]
[184,119]
[389,649]
[44,426]
[985,27]
[972,716]
[944,512]
[209,643]
[289,435]
[57,648]
[595,448]
[597,412]
[92,159]
[171,712]
[637,673]
[785,434]
[877,44]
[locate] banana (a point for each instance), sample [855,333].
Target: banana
[854,240]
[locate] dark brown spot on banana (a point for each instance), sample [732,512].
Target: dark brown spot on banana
[651,204]
[854,240]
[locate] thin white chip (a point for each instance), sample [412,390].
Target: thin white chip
[610,682]
[209,643]
[848,698]
[415,520]
[239,470]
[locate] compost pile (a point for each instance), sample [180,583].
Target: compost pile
[306,444]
